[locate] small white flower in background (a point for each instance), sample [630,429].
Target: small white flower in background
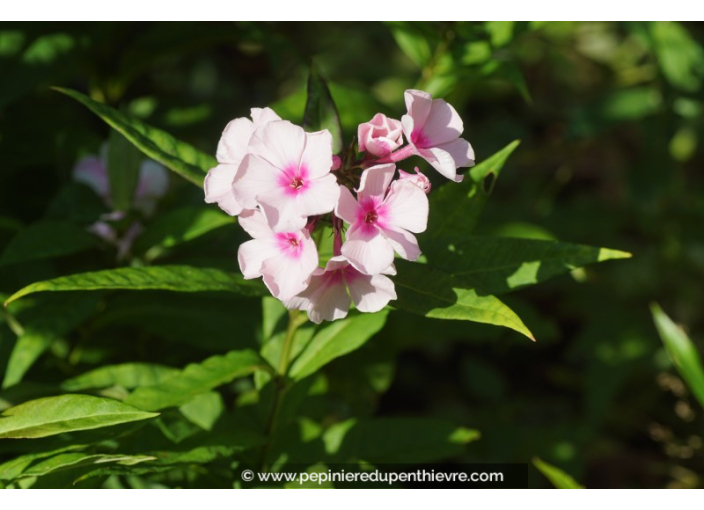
[152,185]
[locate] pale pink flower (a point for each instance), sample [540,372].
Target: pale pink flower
[418,178]
[92,171]
[380,136]
[285,260]
[152,185]
[433,129]
[287,174]
[330,290]
[232,149]
[382,222]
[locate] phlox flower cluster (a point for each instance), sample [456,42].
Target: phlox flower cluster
[286,185]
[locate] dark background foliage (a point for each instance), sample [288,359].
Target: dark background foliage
[610,118]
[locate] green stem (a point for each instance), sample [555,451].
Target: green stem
[280,381]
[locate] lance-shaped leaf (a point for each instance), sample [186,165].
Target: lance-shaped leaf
[123,161]
[336,339]
[127,375]
[496,265]
[178,156]
[172,278]
[455,208]
[429,292]
[403,440]
[179,226]
[79,459]
[557,477]
[45,240]
[197,378]
[682,351]
[49,320]
[321,112]
[66,413]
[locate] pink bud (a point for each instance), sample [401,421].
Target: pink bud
[336,163]
[418,179]
[380,136]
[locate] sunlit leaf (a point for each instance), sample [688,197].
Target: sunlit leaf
[557,477]
[66,413]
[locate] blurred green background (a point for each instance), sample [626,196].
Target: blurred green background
[610,118]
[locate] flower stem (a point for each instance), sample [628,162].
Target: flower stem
[281,382]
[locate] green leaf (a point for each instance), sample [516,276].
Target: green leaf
[321,112]
[396,440]
[123,162]
[455,208]
[337,339]
[681,57]
[178,156]
[45,240]
[127,375]
[682,351]
[204,409]
[425,291]
[557,477]
[49,321]
[412,42]
[66,413]
[172,278]
[497,265]
[14,468]
[197,378]
[179,226]
[78,459]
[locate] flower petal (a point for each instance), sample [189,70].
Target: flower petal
[282,210]
[320,197]
[254,177]
[280,143]
[370,293]
[218,188]
[442,161]
[234,140]
[252,254]
[317,156]
[285,276]
[461,151]
[443,124]
[418,104]
[404,243]
[368,251]
[261,116]
[376,180]
[407,207]
[347,206]
[331,301]
[254,223]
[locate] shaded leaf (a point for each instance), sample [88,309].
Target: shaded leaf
[557,477]
[321,112]
[45,240]
[49,321]
[432,293]
[499,265]
[66,413]
[197,378]
[178,156]
[682,351]
[336,339]
[77,459]
[402,440]
[127,375]
[179,226]
[123,162]
[455,208]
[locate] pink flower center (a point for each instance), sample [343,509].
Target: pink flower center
[294,179]
[371,217]
[290,244]
[419,139]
